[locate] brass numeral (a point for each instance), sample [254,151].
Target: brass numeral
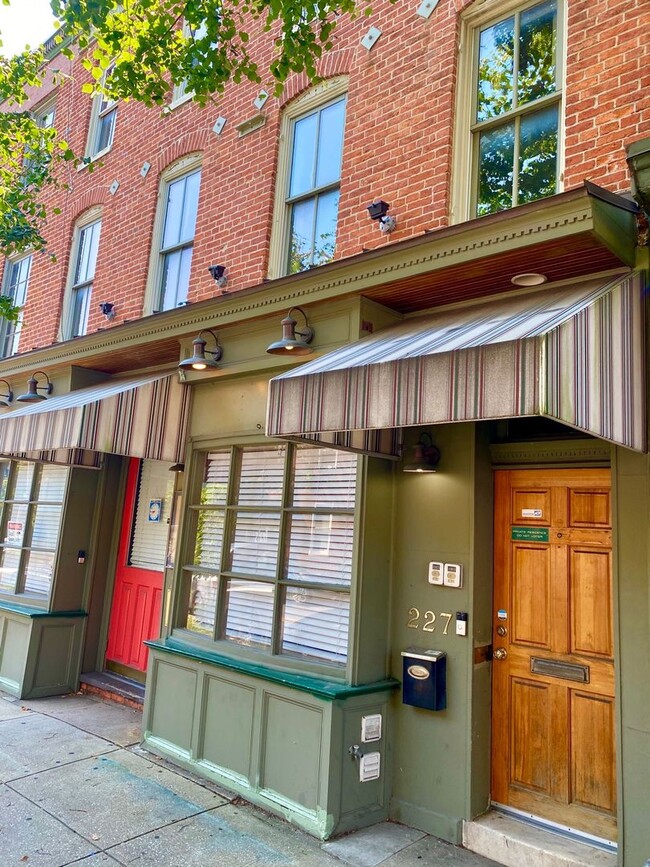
[414,618]
[448,615]
[429,621]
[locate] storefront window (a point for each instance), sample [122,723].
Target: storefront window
[273,550]
[31,499]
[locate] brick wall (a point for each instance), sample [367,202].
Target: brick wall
[398,146]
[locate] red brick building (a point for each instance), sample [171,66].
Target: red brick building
[279,584]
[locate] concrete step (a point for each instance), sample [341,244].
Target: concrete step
[515,843]
[113,687]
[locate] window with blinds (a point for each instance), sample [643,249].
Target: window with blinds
[273,550]
[31,499]
[151,525]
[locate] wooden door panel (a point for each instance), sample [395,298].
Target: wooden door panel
[592,733]
[590,590]
[531,735]
[590,508]
[530,596]
[526,501]
[553,734]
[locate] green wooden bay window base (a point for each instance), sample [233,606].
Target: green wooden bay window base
[39,650]
[280,740]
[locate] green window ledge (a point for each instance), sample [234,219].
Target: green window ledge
[317,686]
[32,611]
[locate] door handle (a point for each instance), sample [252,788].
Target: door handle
[500,653]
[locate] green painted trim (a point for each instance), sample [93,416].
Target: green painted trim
[30,611]
[317,686]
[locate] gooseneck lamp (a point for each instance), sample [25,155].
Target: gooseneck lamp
[198,361]
[33,388]
[293,342]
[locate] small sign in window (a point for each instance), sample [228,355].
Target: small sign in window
[155,511]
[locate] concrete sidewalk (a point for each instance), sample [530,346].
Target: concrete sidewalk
[77,788]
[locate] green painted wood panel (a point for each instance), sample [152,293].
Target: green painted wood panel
[228,725]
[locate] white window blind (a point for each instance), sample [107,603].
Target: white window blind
[32,513]
[284,514]
[149,538]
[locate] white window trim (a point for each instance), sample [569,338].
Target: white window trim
[86,219]
[93,126]
[44,108]
[15,327]
[463,166]
[183,166]
[317,96]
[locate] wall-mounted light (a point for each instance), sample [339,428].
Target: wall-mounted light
[378,210]
[108,309]
[32,394]
[177,468]
[198,361]
[290,344]
[425,456]
[5,399]
[218,274]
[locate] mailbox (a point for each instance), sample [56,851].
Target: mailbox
[424,678]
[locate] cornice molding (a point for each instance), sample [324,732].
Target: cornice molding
[590,452]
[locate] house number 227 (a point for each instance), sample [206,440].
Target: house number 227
[429,619]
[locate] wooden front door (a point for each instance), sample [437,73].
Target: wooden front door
[553,717]
[137,594]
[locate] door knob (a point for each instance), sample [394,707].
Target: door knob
[500,653]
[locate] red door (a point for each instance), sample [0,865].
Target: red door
[137,594]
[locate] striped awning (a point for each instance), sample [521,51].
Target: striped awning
[575,354]
[144,418]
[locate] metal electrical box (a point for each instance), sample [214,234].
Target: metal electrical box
[424,678]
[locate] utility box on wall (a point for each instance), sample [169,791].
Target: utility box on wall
[424,678]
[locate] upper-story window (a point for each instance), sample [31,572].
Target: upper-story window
[173,240]
[309,180]
[82,273]
[180,91]
[44,114]
[14,286]
[516,121]
[102,123]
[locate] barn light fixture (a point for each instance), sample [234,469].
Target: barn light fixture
[5,399]
[425,456]
[32,394]
[290,344]
[198,361]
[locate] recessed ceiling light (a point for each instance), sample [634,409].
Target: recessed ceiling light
[530,279]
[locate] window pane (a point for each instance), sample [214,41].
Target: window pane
[538,155]
[176,277]
[4,478]
[87,253]
[324,478]
[496,154]
[23,481]
[80,309]
[9,569]
[495,69]
[320,548]
[209,539]
[173,213]
[249,618]
[106,124]
[45,526]
[214,489]
[303,155]
[301,234]
[254,549]
[202,603]
[315,623]
[16,524]
[38,572]
[330,143]
[261,477]
[16,283]
[190,206]
[327,209]
[537,52]
[52,483]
